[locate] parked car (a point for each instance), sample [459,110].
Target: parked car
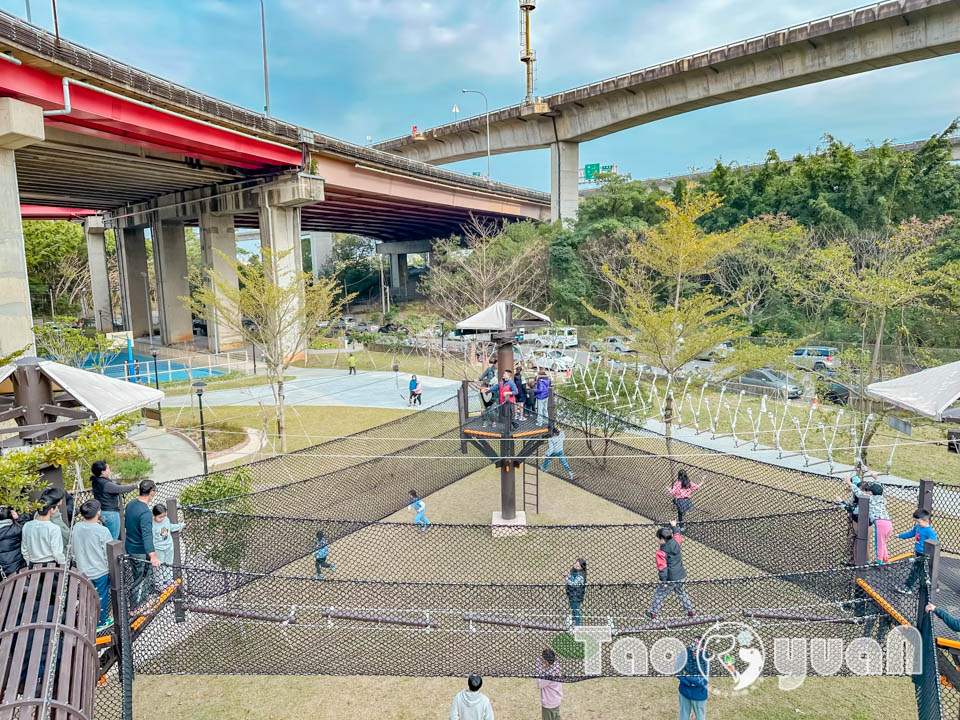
[817,357]
[391,328]
[553,360]
[772,380]
[610,344]
[561,337]
[831,389]
[719,352]
[199,326]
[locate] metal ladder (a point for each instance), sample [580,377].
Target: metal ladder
[531,483]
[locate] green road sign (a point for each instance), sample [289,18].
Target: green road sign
[606,168]
[591,170]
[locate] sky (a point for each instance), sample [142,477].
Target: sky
[359,68]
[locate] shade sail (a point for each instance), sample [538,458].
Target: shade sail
[497,317]
[104,396]
[929,393]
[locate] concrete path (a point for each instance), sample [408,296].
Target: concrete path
[317,386]
[171,455]
[254,441]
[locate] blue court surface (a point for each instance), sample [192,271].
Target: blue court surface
[314,386]
[140,369]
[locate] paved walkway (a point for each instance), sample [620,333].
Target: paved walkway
[317,386]
[171,455]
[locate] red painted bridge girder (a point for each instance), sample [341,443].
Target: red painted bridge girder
[102,115]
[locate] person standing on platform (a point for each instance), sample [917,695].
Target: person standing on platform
[90,540]
[108,494]
[138,523]
[543,393]
[41,541]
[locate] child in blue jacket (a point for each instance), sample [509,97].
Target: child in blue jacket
[693,679]
[321,551]
[919,533]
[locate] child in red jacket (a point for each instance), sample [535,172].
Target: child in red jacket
[671,571]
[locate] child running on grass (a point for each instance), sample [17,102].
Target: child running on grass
[919,533]
[321,550]
[671,571]
[682,490]
[419,508]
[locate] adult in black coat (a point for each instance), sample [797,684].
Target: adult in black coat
[11,531]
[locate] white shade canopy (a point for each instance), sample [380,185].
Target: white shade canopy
[104,396]
[501,316]
[929,393]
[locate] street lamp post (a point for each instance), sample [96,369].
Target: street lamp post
[198,387]
[487,113]
[253,350]
[266,81]
[156,384]
[443,372]
[146,296]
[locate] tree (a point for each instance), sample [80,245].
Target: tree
[489,263]
[746,273]
[355,264]
[879,274]
[57,265]
[63,341]
[276,312]
[670,317]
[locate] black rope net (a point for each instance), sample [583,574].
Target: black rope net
[763,545]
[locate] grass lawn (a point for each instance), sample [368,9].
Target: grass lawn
[306,424]
[910,460]
[274,697]
[471,500]
[226,381]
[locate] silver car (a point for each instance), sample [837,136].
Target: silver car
[817,357]
[610,344]
[772,380]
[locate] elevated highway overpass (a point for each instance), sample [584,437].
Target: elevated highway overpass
[879,35]
[85,137]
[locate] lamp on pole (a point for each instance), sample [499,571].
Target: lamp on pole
[486,106]
[29,18]
[156,384]
[146,295]
[198,387]
[266,80]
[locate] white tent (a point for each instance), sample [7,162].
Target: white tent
[498,316]
[929,393]
[104,396]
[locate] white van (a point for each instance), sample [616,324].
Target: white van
[562,337]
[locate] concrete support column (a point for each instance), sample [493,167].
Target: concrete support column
[132,261]
[280,231]
[20,125]
[99,282]
[399,276]
[218,243]
[564,180]
[394,273]
[321,250]
[170,271]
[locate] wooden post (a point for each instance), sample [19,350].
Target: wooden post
[173,513]
[925,499]
[861,545]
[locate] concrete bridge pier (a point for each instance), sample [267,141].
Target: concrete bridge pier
[93,232]
[132,262]
[399,270]
[321,250]
[170,272]
[218,248]
[21,124]
[564,180]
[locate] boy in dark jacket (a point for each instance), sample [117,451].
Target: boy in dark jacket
[693,679]
[11,532]
[671,571]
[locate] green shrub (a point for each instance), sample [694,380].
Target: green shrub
[218,486]
[222,538]
[130,468]
[323,344]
